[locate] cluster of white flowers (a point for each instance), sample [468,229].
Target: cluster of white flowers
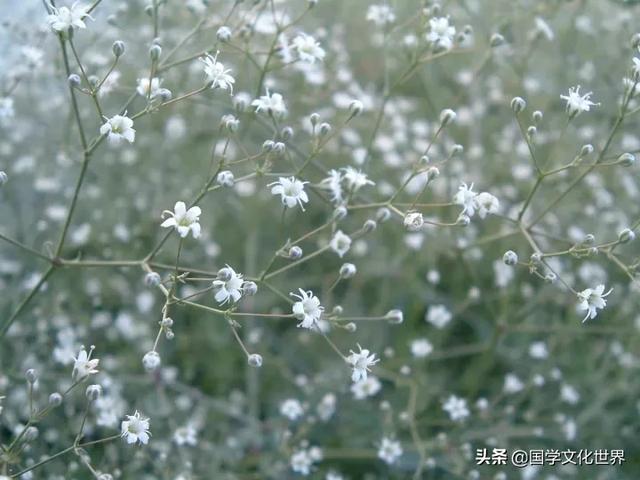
[483,203]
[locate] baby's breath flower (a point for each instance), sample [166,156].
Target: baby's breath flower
[291,191]
[225,178]
[368,387]
[355,179]
[487,204]
[216,74]
[456,407]
[333,184]
[4,178]
[308,49]
[271,103]
[63,19]
[118,128]
[413,221]
[228,286]
[389,450]
[421,347]
[255,360]
[576,103]
[183,220]
[347,270]
[441,33]
[592,300]
[224,33]
[291,409]
[84,365]
[135,429]
[340,243]
[380,15]
[466,197]
[307,309]
[151,361]
[360,362]
[148,89]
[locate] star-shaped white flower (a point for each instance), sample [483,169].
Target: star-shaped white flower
[576,103]
[84,365]
[271,103]
[591,300]
[228,287]
[291,191]
[340,243]
[216,74]
[183,220]
[307,309]
[135,429]
[64,19]
[118,128]
[360,362]
[309,50]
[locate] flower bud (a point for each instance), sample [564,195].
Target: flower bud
[105,476]
[224,274]
[432,173]
[152,279]
[223,34]
[496,40]
[164,94]
[93,392]
[55,399]
[151,361]
[463,220]
[340,213]
[324,129]
[268,145]
[635,40]
[518,104]
[249,288]
[395,316]
[531,131]
[355,108]
[369,226]
[510,258]
[225,178]
[351,327]
[447,116]
[279,148]
[550,277]
[167,322]
[295,252]
[457,149]
[588,239]
[154,52]
[627,235]
[413,221]
[286,133]
[255,360]
[626,159]
[535,258]
[118,48]
[383,214]
[31,375]
[347,270]
[230,123]
[314,118]
[4,178]
[31,434]
[537,116]
[586,150]
[74,80]
[337,310]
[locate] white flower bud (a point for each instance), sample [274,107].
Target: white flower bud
[531,131]
[496,40]
[626,159]
[314,118]
[395,316]
[295,252]
[340,213]
[152,279]
[74,80]
[635,40]
[383,214]
[518,104]
[255,360]
[535,258]
[369,226]
[550,277]
[118,48]
[154,52]
[164,94]
[355,108]
[4,178]
[223,34]
[286,133]
[167,322]
[588,239]
[249,288]
[432,173]
[627,235]
[105,476]
[279,148]
[447,116]
[351,327]
[510,258]
[224,274]
[463,220]
[586,150]
[31,375]
[537,116]
[93,392]
[151,361]
[55,399]
[225,178]
[347,270]
[241,101]
[268,145]
[324,129]
[457,149]
[337,310]
[413,221]
[230,123]
[31,434]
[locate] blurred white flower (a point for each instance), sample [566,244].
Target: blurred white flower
[366,388]
[333,184]
[355,179]
[486,204]
[118,128]
[307,309]
[216,74]
[291,408]
[512,384]
[340,243]
[84,365]
[380,15]
[576,103]
[271,103]
[291,191]
[144,90]
[135,429]
[441,33]
[228,287]
[360,362]
[301,462]
[389,450]
[183,220]
[456,407]
[421,347]
[592,299]
[308,49]
[6,108]
[64,19]
[186,435]
[413,221]
[538,350]
[466,197]
[438,316]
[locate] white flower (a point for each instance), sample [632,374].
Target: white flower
[441,33]
[389,450]
[307,309]
[135,429]
[84,365]
[216,74]
[456,407]
[117,128]
[355,179]
[327,407]
[569,394]
[413,221]
[292,409]
[576,104]
[438,316]
[361,362]
[272,103]
[291,191]
[186,435]
[228,287]
[340,243]
[592,299]
[380,14]
[538,350]
[486,204]
[421,347]
[64,18]
[466,197]
[183,220]
[6,108]
[333,183]
[301,462]
[143,87]
[366,388]
[512,384]
[309,50]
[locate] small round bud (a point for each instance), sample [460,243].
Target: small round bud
[55,399]
[510,258]
[324,129]
[337,310]
[537,116]
[496,40]
[151,361]
[31,375]
[467,29]
[295,252]
[249,288]
[169,335]
[74,80]
[255,360]
[224,274]
[149,10]
[463,220]
[287,133]
[105,476]
[550,277]
[627,235]
[279,148]
[424,160]
[518,104]
[223,34]
[586,150]
[167,322]
[31,434]
[164,94]
[93,392]
[225,178]
[369,226]
[531,131]
[626,159]
[355,108]
[383,214]
[314,118]
[395,316]
[118,48]
[447,116]
[589,238]
[432,173]
[4,178]
[268,145]
[230,123]
[457,149]
[351,327]
[154,52]
[152,279]
[535,258]
[347,270]
[413,221]
[340,213]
